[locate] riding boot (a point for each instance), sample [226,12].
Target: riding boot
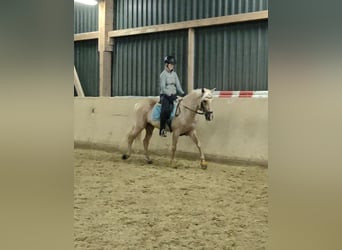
[169,124]
[163,120]
[166,108]
[162,131]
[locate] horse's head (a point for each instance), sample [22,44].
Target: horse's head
[206,99]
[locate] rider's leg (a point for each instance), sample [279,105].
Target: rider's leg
[164,114]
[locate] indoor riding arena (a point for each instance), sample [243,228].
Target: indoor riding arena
[127,200]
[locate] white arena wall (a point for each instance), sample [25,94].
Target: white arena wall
[238,133]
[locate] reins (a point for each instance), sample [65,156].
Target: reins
[195,111]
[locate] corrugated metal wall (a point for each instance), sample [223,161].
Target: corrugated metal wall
[85,52]
[228,57]
[85,18]
[232,57]
[138,62]
[137,13]
[87,65]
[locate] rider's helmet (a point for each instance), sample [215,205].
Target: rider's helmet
[170,60]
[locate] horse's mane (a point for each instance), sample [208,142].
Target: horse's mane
[198,93]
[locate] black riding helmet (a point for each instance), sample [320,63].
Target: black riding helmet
[170,60]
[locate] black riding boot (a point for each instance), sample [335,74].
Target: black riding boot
[164,114]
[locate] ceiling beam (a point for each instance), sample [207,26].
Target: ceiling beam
[245,17]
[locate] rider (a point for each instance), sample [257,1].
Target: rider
[169,85]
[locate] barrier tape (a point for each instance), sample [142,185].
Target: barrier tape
[223,94]
[241,94]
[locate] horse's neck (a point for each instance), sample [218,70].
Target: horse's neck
[192,101]
[190,104]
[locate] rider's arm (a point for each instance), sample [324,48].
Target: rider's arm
[178,86]
[162,82]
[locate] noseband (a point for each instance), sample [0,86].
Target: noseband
[208,114]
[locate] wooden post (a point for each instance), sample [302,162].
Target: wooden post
[105,47]
[191,59]
[77,84]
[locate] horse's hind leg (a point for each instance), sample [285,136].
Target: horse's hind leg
[131,137]
[194,138]
[149,130]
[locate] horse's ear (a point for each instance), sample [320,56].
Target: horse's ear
[202,90]
[213,90]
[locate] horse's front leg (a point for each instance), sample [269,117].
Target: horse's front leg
[194,138]
[175,136]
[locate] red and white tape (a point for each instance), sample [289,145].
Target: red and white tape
[241,94]
[224,94]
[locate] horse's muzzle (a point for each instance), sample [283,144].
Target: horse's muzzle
[209,115]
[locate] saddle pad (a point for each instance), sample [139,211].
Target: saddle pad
[156,111]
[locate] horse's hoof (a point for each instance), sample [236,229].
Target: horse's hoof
[125,157]
[149,161]
[204,164]
[173,165]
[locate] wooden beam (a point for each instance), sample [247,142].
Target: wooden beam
[105,73]
[106,13]
[245,17]
[191,58]
[252,16]
[104,46]
[86,36]
[77,84]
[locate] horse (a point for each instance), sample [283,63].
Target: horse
[184,123]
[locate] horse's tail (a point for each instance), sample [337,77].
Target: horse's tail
[141,110]
[136,110]
[136,107]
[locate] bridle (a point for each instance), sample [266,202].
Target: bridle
[208,114]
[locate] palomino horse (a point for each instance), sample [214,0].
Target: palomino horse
[184,123]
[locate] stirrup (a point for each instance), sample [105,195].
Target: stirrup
[163,133]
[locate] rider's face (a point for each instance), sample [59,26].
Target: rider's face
[170,67]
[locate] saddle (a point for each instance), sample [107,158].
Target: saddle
[157,108]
